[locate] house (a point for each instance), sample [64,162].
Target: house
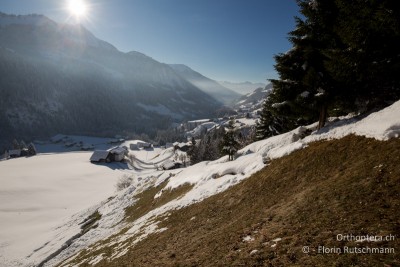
[168,165]
[101,156]
[118,153]
[116,141]
[144,145]
[14,153]
[134,147]
[114,154]
[184,147]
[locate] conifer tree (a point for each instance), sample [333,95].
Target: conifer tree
[269,124]
[15,144]
[367,61]
[304,90]
[22,145]
[6,155]
[229,144]
[345,57]
[32,149]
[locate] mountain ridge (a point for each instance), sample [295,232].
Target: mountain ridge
[61,78]
[242,87]
[207,85]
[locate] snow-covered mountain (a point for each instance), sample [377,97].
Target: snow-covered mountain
[205,84]
[254,99]
[242,88]
[61,78]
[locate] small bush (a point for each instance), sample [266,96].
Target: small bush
[124,182]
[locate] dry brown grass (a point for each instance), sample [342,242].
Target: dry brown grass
[146,201]
[347,186]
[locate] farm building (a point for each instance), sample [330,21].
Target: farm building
[27,151]
[184,147]
[134,147]
[138,145]
[143,145]
[118,153]
[113,154]
[170,165]
[101,156]
[14,153]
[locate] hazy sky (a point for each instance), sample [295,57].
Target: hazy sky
[232,40]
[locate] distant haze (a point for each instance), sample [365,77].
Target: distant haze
[242,88]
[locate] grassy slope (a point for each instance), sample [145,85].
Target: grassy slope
[347,186]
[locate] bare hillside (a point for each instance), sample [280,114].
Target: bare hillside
[342,187]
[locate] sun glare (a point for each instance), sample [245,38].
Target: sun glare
[77,8]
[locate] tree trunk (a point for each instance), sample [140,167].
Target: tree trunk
[322,116]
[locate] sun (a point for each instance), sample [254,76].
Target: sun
[77,8]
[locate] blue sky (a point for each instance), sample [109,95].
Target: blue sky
[232,40]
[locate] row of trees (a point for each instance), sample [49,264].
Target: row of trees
[345,58]
[25,150]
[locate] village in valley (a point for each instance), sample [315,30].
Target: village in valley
[139,155]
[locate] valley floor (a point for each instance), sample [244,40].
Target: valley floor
[39,194]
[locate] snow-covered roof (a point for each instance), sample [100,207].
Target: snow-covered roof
[168,164]
[142,143]
[118,150]
[183,144]
[99,155]
[199,121]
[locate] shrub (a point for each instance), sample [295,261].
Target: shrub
[124,182]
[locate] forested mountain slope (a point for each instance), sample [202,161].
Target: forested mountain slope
[61,78]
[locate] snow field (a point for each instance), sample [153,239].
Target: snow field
[40,193]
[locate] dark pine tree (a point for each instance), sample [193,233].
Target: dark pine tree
[345,57]
[304,91]
[269,124]
[15,144]
[367,60]
[32,149]
[229,144]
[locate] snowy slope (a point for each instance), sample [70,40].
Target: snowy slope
[206,126]
[207,179]
[40,193]
[254,99]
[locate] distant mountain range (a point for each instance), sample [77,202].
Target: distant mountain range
[255,99]
[61,78]
[211,87]
[242,88]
